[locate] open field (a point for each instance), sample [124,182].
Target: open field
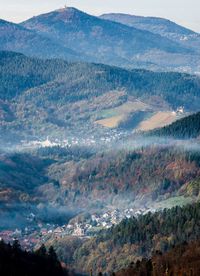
[160,119]
[174,201]
[111,118]
[111,122]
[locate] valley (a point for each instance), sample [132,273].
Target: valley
[77,160]
[99,145]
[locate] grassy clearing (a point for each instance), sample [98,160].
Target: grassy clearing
[112,122]
[174,201]
[112,117]
[160,119]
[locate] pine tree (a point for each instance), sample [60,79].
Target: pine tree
[42,251]
[52,254]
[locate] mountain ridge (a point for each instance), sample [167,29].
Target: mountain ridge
[158,25]
[75,35]
[105,41]
[139,18]
[14,37]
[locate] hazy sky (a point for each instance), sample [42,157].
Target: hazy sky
[185,12]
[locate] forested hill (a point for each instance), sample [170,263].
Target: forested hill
[110,42]
[46,97]
[55,35]
[140,237]
[82,80]
[161,26]
[14,37]
[20,73]
[188,127]
[181,260]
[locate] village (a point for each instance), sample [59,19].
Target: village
[108,137]
[39,233]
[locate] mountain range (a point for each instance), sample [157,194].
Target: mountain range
[73,34]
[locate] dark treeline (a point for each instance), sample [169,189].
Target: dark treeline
[16,262]
[188,127]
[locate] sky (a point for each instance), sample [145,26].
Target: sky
[184,12]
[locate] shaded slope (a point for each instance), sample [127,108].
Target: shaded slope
[14,37]
[156,25]
[20,73]
[21,173]
[161,26]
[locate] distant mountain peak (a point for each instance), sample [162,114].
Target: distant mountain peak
[69,9]
[117,43]
[65,14]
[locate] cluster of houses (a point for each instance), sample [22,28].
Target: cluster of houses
[28,239]
[97,222]
[40,233]
[105,138]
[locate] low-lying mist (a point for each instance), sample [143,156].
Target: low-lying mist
[22,215]
[16,215]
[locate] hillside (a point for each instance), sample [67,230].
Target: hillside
[188,127]
[140,176]
[20,73]
[14,37]
[61,181]
[67,94]
[157,25]
[20,175]
[110,42]
[181,260]
[161,26]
